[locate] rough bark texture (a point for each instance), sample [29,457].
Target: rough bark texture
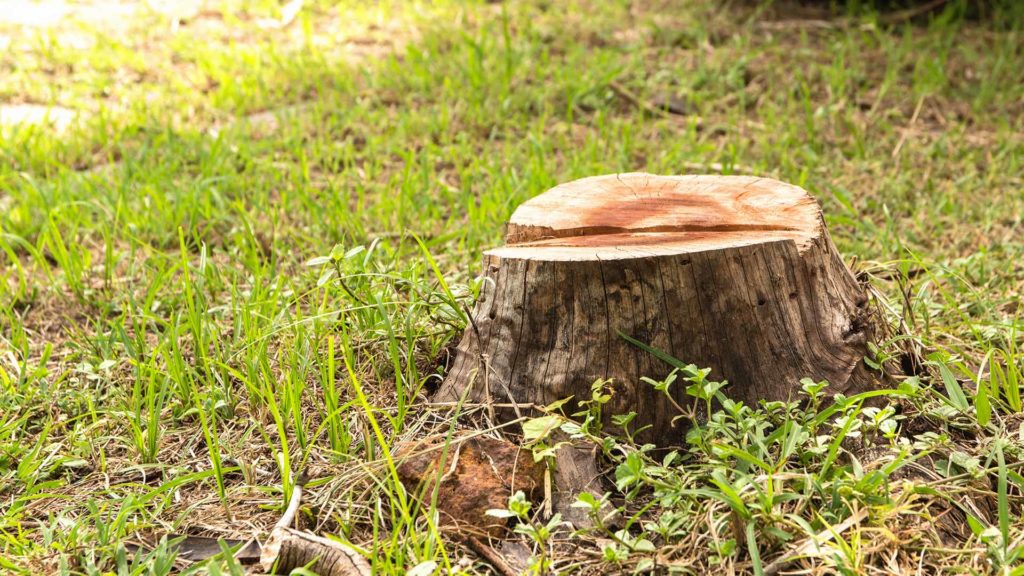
[577,470]
[734,273]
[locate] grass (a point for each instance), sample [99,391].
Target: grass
[247,254]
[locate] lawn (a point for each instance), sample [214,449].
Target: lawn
[237,246]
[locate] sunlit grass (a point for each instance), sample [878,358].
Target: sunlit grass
[245,256]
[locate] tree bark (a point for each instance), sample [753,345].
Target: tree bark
[734,273]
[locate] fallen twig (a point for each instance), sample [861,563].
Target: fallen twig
[491,555]
[663,112]
[288,549]
[911,13]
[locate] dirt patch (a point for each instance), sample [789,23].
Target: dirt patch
[58,118]
[474,476]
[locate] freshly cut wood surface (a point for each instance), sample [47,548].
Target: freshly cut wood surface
[601,216]
[733,273]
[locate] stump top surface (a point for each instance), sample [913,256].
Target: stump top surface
[636,214]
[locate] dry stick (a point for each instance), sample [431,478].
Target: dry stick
[288,549]
[814,542]
[628,95]
[832,24]
[911,13]
[790,23]
[491,555]
[966,475]
[293,505]
[635,100]
[906,131]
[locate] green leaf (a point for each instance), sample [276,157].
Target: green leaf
[1002,497]
[687,369]
[997,380]
[728,494]
[325,277]
[643,545]
[554,406]
[982,405]
[536,429]
[1007,380]
[755,555]
[969,463]
[318,261]
[353,252]
[954,392]
[337,253]
[726,450]
[976,526]
[1013,383]
[629,472]
[440,279]
[586,500]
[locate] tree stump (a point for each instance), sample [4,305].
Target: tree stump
[734,273]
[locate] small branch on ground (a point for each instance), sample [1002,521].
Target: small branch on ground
[911,13]
[288,549]
[669,111]
[491,556]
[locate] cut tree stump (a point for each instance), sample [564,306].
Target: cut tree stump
[734,273]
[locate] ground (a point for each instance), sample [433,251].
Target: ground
[237,243]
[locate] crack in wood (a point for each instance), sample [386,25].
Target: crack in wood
[550,236]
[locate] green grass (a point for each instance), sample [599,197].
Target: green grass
[197,305]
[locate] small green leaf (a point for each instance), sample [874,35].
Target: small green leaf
[586,500]
[755,555]
[536,429]
[954,392]
[976,526]
[982,405]
[318,261]
[337,253]
[643,545]
[554,406]
[1002,497]
[969,463]
[325,277]
[687,369]
[354,252]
